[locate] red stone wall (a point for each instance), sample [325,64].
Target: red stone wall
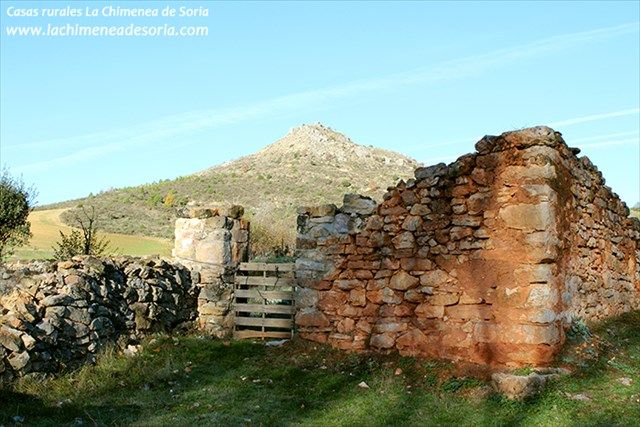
[468,261]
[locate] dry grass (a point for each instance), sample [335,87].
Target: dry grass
[46,226]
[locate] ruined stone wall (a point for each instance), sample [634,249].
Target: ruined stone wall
[211,242]
[600,266]
[56,315]
[61,314]
[477,261]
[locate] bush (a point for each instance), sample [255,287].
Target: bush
[271,240]
[16,201]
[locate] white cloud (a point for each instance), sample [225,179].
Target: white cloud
[158,131]
[595,117]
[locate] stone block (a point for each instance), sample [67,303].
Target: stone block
[404,241]
[528,217]
[429,311]
[306,297]
[310,317]
[469,312]
[357,297]
[382,341]
[515,175]
[542,295]
[361,205]
[435,278]
[402,281]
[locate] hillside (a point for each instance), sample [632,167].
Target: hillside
[312,164]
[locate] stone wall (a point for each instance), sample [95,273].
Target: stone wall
[484,260]
[211,242]
[60,314]
[57,315]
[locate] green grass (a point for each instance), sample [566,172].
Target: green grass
[195,381]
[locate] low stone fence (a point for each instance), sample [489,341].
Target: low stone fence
[61,316]
[58,315]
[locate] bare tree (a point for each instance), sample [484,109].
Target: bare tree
[84,240]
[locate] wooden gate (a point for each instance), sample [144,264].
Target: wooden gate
[263,302]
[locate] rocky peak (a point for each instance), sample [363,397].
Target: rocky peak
[323,143]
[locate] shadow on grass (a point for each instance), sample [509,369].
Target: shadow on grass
[192,381]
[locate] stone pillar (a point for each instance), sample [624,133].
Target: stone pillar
[211,242]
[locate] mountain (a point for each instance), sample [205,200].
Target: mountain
[310,165]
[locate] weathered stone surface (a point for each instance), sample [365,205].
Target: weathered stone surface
[518,387]
[404,241]
[402,281]
[484,260]
[385,340]
[311,317]
[435,278]
[469,312]
[355,203]
[429,311]
[87,304]
[528,217]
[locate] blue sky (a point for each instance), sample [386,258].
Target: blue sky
[85,114]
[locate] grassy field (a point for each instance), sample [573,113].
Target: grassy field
[46,227]
[195,381]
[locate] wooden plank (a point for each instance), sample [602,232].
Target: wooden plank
[265,308]
[264,266]
[259,334]
[250,293]
[259,321]
[265,281]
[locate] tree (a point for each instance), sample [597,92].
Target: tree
[84,240]
[16,202]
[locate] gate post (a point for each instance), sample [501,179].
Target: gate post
[211,242]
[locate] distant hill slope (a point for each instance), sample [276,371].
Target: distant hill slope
[311,165]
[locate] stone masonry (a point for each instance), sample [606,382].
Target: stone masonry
[61,314]
[211,242]
[57,315]
[485,260]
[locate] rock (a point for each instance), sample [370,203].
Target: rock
[306,297]
[580,397]
[435,278]
[427,173]
[516,175]
[527,217]
[318,211]
[429,311]
[404,241]
[10,338]
[625,381]
[518,387]
[18,361]
[311,317]
[28,341]
[402,281]
[132,350]
[357,204]
[363,384]
[385,340]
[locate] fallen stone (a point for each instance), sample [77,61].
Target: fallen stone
[518,387]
